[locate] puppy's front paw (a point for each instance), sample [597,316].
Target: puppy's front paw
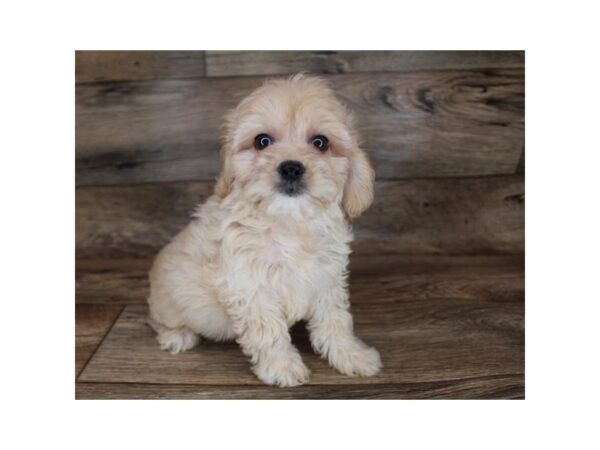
[355,358]
[283,371]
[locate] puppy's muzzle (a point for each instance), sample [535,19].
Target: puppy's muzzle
[291,174]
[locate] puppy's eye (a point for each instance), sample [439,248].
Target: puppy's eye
[262,140]
[320,142]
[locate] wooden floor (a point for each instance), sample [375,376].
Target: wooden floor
[446,327]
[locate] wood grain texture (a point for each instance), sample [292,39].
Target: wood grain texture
[446,327]
[380,278]
[95,66]
[521,165]
[92,322]
[501,387]
[447,216]
[417,124]
[118,221]
[477,215]
[421,341]
[251,63]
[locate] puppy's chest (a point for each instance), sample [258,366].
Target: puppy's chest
[293,266]
[307,253]
[297,270]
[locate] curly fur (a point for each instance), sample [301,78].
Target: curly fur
[253,260]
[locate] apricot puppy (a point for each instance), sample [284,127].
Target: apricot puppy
[271,246]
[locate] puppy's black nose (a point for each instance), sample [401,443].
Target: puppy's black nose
[291,170]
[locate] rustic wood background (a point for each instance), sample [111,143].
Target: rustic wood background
[445,131]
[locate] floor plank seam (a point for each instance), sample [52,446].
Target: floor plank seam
[100,343]
[344,385]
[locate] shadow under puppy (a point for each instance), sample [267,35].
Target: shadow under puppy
[271,246]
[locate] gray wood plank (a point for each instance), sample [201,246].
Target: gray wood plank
[495,387]
[419,341]
[94,66]
[373,278]
[418,124]
[250,63]
[448,216]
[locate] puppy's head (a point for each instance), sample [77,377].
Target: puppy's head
[291,144]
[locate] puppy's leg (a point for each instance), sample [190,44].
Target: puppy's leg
[331,335]
[174,340]
[264,336]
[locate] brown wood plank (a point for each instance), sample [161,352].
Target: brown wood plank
[477,215]
[380,278]
[469,216]
[496,387]
[92,322]
[422,341]
[250,63]
[521,164]
[117,221]
[418,124]
[94,66]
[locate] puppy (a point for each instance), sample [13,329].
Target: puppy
[271,246]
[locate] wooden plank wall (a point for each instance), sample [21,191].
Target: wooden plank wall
[445,131]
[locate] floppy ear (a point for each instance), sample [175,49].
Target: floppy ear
[225,180]
[358,192]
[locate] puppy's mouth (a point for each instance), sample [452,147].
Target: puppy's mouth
[291,188]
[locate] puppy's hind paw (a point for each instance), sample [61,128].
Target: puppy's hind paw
[175,340]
